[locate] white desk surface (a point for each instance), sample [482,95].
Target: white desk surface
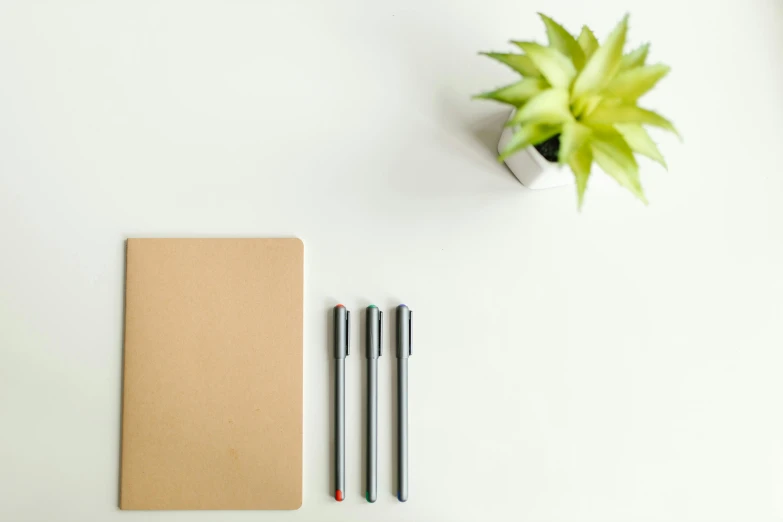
[622,364]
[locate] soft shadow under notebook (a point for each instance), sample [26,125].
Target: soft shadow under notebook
[212,390]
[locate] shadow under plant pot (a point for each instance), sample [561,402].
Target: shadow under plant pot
[530,166]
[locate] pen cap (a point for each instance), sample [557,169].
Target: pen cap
[403,332]
[374,332]
[341,329]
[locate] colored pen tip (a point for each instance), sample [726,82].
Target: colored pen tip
[372,306]
[338,496]
[339,306]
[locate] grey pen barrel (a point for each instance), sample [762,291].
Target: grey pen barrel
[339,429]
[374,350]
[404,351]
[372,430]
[402,429]
[341,351]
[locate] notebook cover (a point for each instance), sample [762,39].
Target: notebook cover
[212,386]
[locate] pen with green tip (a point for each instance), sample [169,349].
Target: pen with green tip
[374,350]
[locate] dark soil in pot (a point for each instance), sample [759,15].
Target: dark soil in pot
[550,148]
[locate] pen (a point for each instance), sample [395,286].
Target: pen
[342,324]
[374,350]
[404,351]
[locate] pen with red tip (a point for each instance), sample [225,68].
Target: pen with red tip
[342,323]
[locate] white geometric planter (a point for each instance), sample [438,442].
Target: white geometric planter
[531,168]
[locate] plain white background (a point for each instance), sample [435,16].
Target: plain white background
[619,364]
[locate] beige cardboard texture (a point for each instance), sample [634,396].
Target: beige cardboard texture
[212,389]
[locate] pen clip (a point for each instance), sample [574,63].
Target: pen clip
[380,333]
[410,332]
[347,333]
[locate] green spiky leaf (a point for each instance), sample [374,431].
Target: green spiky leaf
[528,135]
[553,65]
[519,62]
[518,93]
[586,104]
[632,84]
[549,107]
[581,162]
[603,64]
[635,58]
[587,41]
[572,138]
[615,157]
[611,114]
[640,141]
[563,41]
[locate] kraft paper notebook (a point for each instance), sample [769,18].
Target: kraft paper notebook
[212,389]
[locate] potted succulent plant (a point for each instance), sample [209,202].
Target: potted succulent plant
[577,103]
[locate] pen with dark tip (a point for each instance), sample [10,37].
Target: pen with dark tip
[403,352]
[342,324]
[374,350]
